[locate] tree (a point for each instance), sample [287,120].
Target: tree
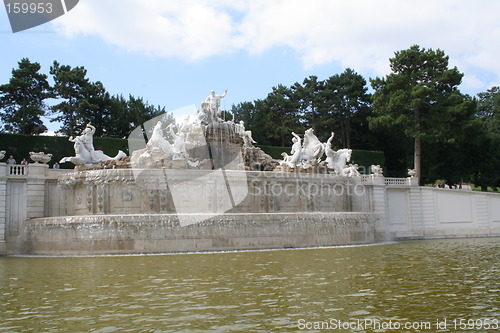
[312,104]
[123,116]
[69,85]
[22,100]
[282,116]
[348,101]
[256,117]
[94,106]
[421,97]
[488,108]
[487,142]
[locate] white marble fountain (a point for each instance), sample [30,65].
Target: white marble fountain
[199,184]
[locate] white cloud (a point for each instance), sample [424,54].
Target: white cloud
[361,34]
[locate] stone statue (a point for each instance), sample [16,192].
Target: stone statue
[377,170]
[245,135]
[339,161]
[2,154]
[84,150]
[329,152]
[312,149]
[295,151]
[157,141]
[351,171]
[179,146]
[209,111]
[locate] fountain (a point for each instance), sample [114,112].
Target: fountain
[198,183]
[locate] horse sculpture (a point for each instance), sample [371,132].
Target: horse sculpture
[157,141]
[338,160]
[312,149]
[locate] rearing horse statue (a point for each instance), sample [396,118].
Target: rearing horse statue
[312,149]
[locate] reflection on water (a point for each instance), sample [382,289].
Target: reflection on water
[424,281]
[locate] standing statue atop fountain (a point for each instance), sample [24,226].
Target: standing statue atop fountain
[85,152]
[209,111]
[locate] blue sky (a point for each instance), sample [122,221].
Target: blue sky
[173,52]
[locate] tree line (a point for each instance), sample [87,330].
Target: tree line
[416,114]
[76,101]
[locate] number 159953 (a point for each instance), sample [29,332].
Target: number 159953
[29,8]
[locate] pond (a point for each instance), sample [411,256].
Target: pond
[420,286]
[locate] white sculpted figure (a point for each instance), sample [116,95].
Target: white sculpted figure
[2,154]
[339,160]
[377,170]
[294,157]
[209,111]
[245,135]
[84,149]
[312,149]
[179,147]
[351,171]
[157,141]
[329,152]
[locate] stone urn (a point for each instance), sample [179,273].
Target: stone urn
[40,157]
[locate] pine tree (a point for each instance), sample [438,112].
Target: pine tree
[22,100]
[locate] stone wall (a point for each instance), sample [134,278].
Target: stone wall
[25,193]
[426,212]
[161,233]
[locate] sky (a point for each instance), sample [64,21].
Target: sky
[173,52]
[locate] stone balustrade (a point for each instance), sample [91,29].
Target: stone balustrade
[17,170]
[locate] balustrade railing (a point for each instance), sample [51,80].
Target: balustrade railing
[397,181]
[17,170]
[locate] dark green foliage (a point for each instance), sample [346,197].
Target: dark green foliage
[72,87]
[339,104]
[274,151]
[22,100]
[421,98]
[484,143]
[84,102]
[349,106]
[366,158]
[20,146]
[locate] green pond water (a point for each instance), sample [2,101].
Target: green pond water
[422,286]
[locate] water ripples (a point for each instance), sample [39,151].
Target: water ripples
[252,291]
